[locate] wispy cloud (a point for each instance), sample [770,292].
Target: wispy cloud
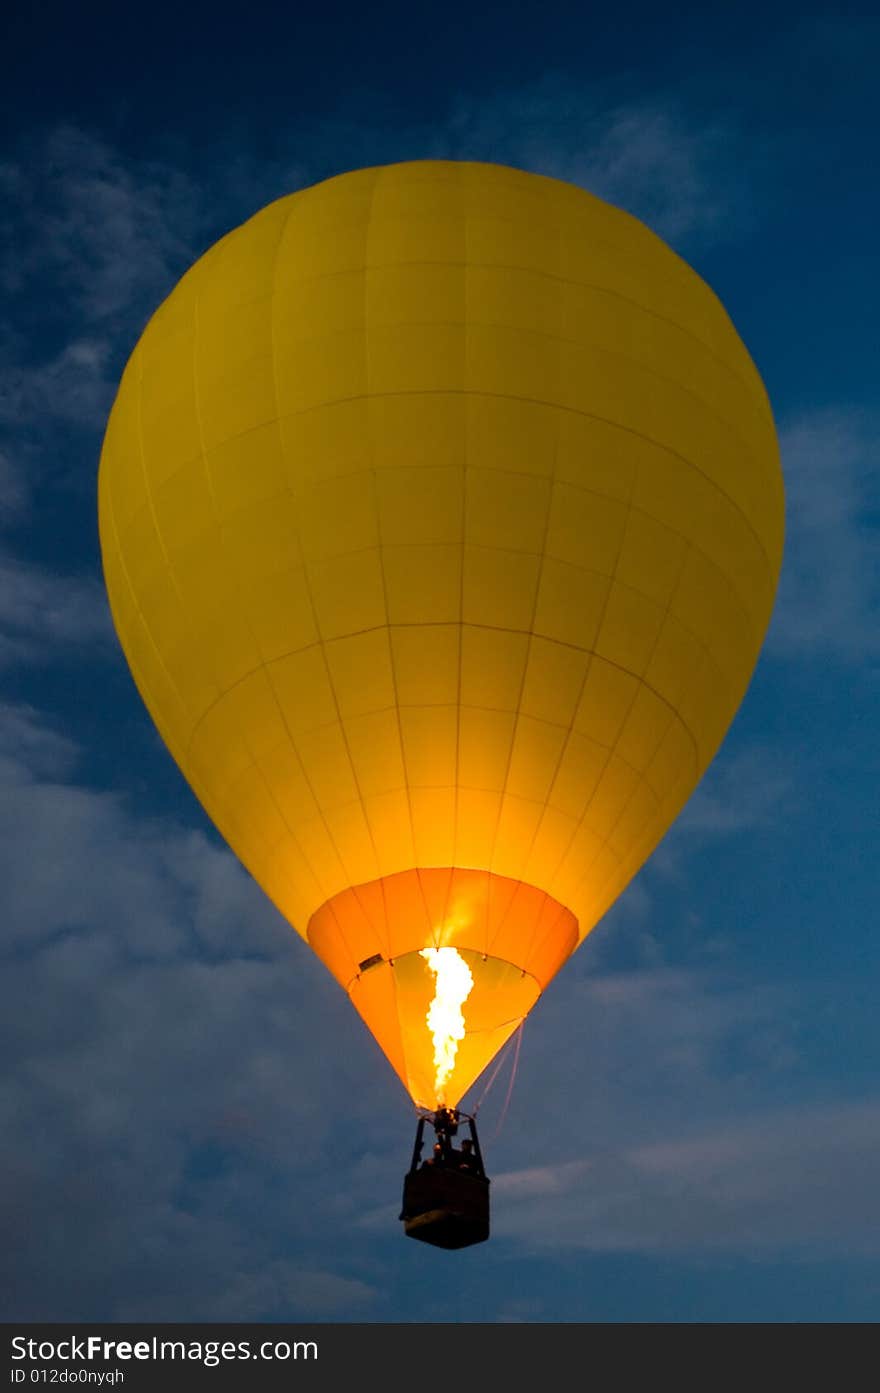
[89,244]
[678,175]
[92,241]
[170,1095]
[799,1181]
[748,791]
[745,791]
[283,1286]
[30,749]
[149,1098]
[681,175]
[73,860]
[45,615]
[110,233]
[14,492]
[72,387]
[829,595]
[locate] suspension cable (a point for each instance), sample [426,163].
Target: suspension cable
[517,1038]
[513,1070]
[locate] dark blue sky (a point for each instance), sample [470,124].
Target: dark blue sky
[197,1126]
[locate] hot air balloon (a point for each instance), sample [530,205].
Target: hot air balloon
[441,517]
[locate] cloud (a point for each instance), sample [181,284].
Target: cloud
[684,177]
[799,1181]
[30,749]
[282,1287]
[45,615]
[195,1117]
[71,387]
[747,789]
[542,1181]
[73,862]
[689,1132]
[89,245]
[166,1043]
[679,176]
[701,1037]
[93,241]
[109,233]
[14,493]
[828,596]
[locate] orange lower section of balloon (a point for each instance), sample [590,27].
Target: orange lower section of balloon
[511,937]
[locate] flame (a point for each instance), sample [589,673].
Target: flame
[453,985]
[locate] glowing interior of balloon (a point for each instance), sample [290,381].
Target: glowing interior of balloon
[441,517]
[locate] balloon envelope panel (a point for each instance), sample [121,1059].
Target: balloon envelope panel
[441,517]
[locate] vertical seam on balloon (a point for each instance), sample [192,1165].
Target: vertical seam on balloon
[591,652]
[648,839]
[452,879]
[529,635]
[403,1049]
[674,714]
[234,567]
[605,842]
[111,514]
[323,647]
[330,907]
[466,415]
[530,638]
[382,929]
[396,1028]
[399,1029]
[382,573]
[636,857]
[496,922]
[311,599]
[520,882]
[381,547]
[194,782]
[553,473]
[164,550]
[566,919]
[197,785]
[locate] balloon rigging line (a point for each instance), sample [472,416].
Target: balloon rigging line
[494,1074]
[517,1037]
[501,1120]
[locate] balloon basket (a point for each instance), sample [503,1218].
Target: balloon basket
[446,1196]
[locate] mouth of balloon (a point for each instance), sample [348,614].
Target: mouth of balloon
[499,1000]
[442,965]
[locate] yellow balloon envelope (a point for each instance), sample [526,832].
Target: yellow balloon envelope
[441,516]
